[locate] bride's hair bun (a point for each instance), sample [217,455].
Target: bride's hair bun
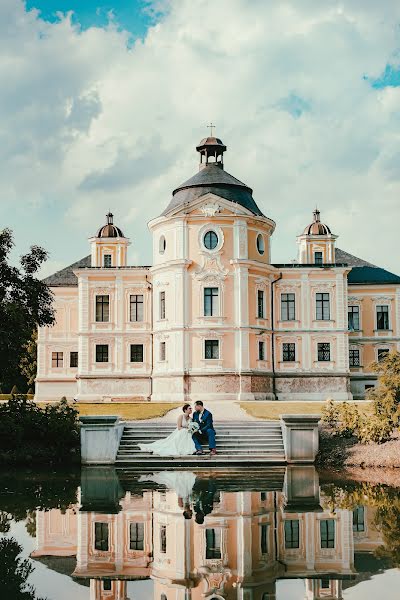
[185,407]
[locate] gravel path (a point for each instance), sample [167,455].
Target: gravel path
[221,411]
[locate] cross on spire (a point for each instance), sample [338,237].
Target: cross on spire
[211,126]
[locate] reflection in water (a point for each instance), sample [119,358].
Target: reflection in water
[215,536]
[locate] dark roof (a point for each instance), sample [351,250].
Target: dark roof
[316,227]
[351,260]
[109,231]
[212,178]
[66,276]
[363,272]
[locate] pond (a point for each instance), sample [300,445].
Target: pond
[255,534]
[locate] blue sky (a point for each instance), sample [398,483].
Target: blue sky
[132,15]
[306,95]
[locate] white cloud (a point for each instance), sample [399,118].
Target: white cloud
[88,123]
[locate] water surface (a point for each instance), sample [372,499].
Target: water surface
[261,534]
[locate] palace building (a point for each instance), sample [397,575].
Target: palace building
[213,317]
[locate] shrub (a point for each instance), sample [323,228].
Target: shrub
[29,433]
[330,414]
[343,418]
[374,430]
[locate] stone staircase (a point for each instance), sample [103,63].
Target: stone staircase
[247,443]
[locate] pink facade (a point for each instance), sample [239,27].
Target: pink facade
[213,315]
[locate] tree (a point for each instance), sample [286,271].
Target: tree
[25,303]
[346,420]
[14,571]
[28,362]
[386,397]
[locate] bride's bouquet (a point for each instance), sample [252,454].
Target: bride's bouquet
[193,427]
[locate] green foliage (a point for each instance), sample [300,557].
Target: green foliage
[25,302]
[32,434]
[374,430]
[331,414]
[28,362]
[386,502]
[14,571]
[345,419]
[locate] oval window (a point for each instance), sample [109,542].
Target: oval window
[210,240]
[163,244]
[260,244]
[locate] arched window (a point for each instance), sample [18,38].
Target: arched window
[162,245]
[210,240]
[260,244]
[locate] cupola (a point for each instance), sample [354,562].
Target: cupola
[212,178]
[316,243]
[109,246]
[211,151]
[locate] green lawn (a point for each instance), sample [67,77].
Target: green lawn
[273,410]
[125,410]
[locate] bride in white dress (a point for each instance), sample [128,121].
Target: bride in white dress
[179,442]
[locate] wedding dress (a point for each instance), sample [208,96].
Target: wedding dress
[180,482]
[178,443]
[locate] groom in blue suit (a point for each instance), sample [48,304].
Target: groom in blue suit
[206,433]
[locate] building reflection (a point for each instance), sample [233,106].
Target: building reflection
[209,537]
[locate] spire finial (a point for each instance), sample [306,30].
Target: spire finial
[316,214]
[110,218]
[211,126]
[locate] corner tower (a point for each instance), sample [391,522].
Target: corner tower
[316,243]
[109,246]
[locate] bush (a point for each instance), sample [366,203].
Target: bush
[29,433]
[330,414]
[374,430]
[343,418]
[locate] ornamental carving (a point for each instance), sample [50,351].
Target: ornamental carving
[159,283]
[210,209]
[102,291]
[211,270]
[378,299]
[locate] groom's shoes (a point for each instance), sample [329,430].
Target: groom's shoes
[213,452]
[199,452]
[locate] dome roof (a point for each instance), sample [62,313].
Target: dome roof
[316,227]
[212,178]
[109,230]
[217,181]
[211,141]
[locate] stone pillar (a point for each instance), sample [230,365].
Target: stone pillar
[100,438]
[301,489]
[300,437]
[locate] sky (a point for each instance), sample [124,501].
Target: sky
[103,102]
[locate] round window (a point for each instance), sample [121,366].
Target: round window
[260,244]
[163,244]
[210,240]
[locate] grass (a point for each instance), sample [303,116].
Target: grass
[273,410]
[125,410]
